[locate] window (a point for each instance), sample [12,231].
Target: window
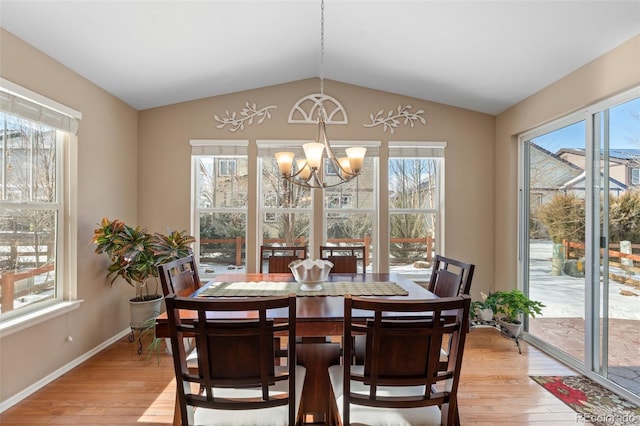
[635,176]
[349,211]
[286,207]
[32,207]
[220,171]
[415,197]
[288,214]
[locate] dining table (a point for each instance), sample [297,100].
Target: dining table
[319,320]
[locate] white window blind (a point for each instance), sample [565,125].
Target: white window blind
[416,149]
[218,147]
[268,148]
[37,108]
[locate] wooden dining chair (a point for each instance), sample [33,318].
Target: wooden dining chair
[395,385]
[450,277]
[345,259]
[179,276]
[279,258]
[238,378]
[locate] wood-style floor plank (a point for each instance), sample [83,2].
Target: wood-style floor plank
[118,387]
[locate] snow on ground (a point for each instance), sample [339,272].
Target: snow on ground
[564,296]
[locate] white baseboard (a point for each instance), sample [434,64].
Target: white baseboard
[10,402]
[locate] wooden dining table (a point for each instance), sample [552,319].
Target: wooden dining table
[318,319]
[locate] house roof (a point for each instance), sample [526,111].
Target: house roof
[623,155]
[481,55]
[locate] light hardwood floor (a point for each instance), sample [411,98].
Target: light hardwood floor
[117,387]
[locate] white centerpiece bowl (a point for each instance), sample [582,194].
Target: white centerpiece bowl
[311,273]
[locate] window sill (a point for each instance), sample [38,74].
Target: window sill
[29,320]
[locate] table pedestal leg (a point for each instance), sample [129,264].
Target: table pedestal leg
[316,355]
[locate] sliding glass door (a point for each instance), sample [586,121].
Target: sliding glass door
[617,138]
[556,249]
[580,239]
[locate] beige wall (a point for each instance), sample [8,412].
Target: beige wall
[612,73]
[165,154]
[106,186]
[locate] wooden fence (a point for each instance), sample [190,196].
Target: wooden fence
[233,252]
[575,250]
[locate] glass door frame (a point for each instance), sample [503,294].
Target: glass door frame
[596,342]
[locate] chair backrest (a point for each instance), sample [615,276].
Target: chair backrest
[282,256]
[345,259]
[232,353]
[450,277]
[397,325]
[179,276]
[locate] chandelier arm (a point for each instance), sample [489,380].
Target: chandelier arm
[315,185]
[291,176]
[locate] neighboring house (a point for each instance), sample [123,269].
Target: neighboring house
[624,164]
[548,174]
[576,186]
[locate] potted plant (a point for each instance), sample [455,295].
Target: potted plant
[135,255]
[484,309]
[513,306]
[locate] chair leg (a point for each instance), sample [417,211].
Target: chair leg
[176,412]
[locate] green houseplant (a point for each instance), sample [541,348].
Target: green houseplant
[484,309]
[135,254]
[512,306]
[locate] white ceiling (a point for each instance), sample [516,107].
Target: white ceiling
[481,55]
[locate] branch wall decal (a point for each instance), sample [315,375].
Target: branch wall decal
[245,117]
[393,118]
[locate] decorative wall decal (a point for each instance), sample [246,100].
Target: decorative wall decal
[306,110]
[392,120]
[246,116]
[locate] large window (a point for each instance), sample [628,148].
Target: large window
[32,208]
[221,202]
[349,212]
[406,209]
[415,200]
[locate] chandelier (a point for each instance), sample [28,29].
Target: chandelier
[309,171]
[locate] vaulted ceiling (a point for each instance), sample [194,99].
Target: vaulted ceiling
[481,55]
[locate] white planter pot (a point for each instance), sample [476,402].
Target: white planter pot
[486,314]
[143,311]
[510,329]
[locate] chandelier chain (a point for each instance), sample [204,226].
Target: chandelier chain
[309,172]
[322,58]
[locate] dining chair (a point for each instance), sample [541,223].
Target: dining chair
[279,258]
[238,378]
[395,385]
[450,277]
[345,259]
[181,277]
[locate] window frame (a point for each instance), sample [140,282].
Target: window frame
[428,151]
[64,121]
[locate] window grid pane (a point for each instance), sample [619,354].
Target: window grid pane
[29,214]
[413,213]
[221,199]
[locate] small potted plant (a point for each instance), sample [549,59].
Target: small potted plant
[512,306]
[484,309]
[135,255]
